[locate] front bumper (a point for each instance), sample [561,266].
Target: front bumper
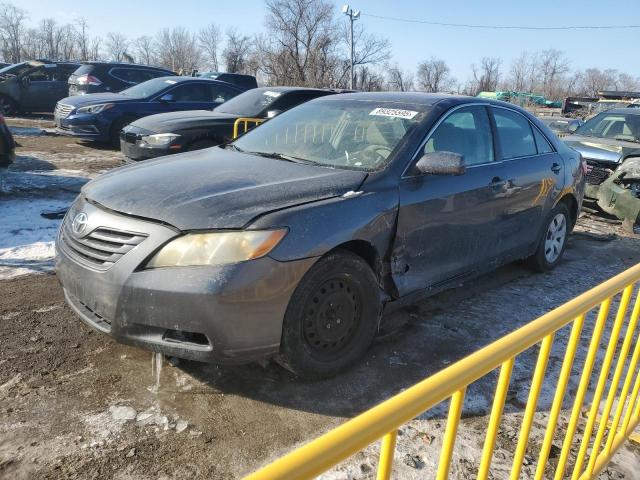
[227,314]
[83,126]
[133,150]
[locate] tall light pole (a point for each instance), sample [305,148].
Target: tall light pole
[353,16]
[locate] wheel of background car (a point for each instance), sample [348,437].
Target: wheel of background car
[376,153]
[7,106]
[200,144]
[553,239]
[332,317]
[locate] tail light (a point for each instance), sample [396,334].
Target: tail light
[88,80]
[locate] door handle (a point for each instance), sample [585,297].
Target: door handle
[555,168]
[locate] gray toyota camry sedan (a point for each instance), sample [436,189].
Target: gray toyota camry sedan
[292,241]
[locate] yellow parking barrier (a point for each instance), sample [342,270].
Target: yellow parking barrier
[246,123]
[384,420]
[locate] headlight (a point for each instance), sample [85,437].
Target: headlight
[101,107]
[159,140]
[216,248]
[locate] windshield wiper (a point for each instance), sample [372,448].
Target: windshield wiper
[282,156]
[231,146]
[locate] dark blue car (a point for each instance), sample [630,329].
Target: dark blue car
[101,116]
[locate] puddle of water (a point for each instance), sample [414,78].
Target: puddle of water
[156,370]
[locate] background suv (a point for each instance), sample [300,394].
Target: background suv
[98,77]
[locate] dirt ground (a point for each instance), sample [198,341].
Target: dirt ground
[75,404]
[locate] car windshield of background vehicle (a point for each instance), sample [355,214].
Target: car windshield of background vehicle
[148,88]
[612,125]
[249,104]
[345,134]
[15,69]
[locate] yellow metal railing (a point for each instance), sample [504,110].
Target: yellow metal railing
[382,422]
[246,123]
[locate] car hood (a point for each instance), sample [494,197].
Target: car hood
[215,188]
[94,98]
[176,121]
[602,149]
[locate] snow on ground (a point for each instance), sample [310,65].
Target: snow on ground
[27,238]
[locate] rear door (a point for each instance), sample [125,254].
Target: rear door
[534,176]
[448,225]
[37,88]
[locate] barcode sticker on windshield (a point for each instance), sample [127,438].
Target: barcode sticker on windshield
[393,112]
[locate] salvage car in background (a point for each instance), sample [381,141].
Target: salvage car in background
[33,86]
[100,116]
[610,144]
[239,79]
[561,126]
[99,77]
[7,144]
[168,133]
[291,240]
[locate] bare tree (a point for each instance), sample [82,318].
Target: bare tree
[552,65]
[434,75]
[12,30]
[487,76]
[627,83]
[398,79]
[143,49]
[116,46]
[210,39]
[521,74]
[301,46]
[178,50]
[95,49]
[596,80]
[368,80]
[82,35]
[236,52]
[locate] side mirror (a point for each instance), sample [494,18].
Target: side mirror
[573,127]
[273,113]
[167,98]
[441,163]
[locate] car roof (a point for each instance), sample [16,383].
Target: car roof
[124,64]
[285,89]
[181,79]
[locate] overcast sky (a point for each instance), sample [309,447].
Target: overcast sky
[410,42]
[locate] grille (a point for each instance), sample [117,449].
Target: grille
[62,110]
[597,173]
[102,248]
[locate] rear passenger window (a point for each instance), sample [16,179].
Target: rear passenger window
[221,94]
[541,142]
[466,131]
[514,134]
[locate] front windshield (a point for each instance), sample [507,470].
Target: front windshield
[618,126]
[358,135]
[15,69]
[148,88]
[250,103]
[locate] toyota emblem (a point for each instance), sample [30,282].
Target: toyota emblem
[79,223]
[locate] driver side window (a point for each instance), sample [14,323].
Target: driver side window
[467,132]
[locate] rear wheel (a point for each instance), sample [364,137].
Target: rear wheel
[332,317]
[553,240]
[7,106]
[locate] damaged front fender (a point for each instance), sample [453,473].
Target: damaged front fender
[619,195]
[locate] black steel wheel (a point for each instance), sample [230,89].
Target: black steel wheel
[332,317]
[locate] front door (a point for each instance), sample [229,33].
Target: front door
[448,225]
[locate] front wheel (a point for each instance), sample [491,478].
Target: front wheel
[553,241]
[332,317]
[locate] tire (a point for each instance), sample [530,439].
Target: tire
[115,132]
[7,106]
[339,291]
[553,240]
[200,144]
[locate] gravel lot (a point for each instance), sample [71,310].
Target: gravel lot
[74,404]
